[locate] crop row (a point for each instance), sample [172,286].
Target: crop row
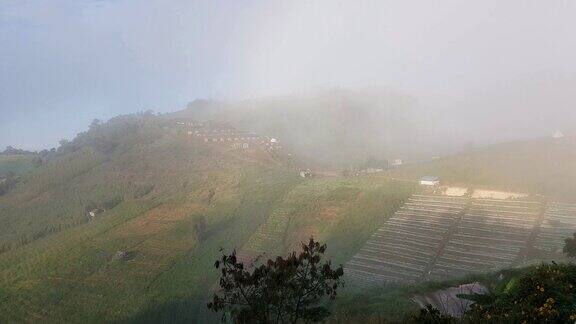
[506,202]
[559,223]
[266,237]
[489,237]
[403,248]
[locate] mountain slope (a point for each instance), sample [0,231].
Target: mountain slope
[542,166]
[165,204]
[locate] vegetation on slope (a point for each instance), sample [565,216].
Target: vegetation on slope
[166,206]
[544,166]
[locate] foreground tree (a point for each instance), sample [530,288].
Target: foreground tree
[431,315]
[284,290]
[545,294]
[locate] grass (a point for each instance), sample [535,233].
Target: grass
[73,275]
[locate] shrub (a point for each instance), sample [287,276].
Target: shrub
[282,290]
[547,293]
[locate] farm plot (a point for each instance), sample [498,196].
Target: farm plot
[489,236]
[405,246]
[559,223]
[268,236]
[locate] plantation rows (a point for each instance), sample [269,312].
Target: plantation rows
[489,236]
[559,223]
[439,237]
[404,248]
[268,236]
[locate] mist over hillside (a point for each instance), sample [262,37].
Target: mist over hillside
[332,127]
[528,108]
[168,161]
[346,126]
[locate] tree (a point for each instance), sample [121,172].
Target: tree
[283,290]
[63,142]
[570,246]
[95,124]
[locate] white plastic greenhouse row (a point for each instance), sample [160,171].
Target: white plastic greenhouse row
[494,211]
[502,206]
[426,213]
[381,269]
[470,246]
[513,233]
[433,201]
[364,277]
[566,218]
[404,252]
[501,219]
[563,206]
[439,197]
[440,207]
[388,263]
[418,247]
[507,202]
[479,255]
[436,201]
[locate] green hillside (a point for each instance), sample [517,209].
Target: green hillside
[164,204]
[543,166]
[142,255]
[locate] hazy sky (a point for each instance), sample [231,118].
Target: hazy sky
[65,62]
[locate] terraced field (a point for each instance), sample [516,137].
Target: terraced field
[489,236]
[559,223]
[438,237]
[403,249]
[269,234]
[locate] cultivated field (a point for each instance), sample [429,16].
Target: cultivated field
[439,238]
[405,247]
[559,222]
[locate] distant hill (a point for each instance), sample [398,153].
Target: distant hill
[334,127]
[542,166]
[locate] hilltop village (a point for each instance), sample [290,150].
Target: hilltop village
[227,136]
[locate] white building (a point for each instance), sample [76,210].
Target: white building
[558,134]
[429,181]
[397,162]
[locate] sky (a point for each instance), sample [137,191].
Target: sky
[66,62]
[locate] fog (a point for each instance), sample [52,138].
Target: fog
[484,71]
